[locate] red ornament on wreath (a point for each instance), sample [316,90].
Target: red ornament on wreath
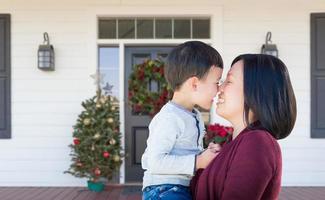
[148,88]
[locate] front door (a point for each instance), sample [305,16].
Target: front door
[136,126]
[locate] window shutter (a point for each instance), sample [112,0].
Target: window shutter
[5,100]
[318,75]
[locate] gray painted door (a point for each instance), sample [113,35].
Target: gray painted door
[136,126]
[5,102]
[318,75]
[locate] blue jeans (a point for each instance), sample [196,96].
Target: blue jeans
[166,191]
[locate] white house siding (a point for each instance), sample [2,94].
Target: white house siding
[45,105]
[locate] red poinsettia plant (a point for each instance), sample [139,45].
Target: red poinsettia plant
[218,134]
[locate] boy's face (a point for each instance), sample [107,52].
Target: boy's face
[207,88]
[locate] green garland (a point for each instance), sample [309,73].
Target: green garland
[141,99]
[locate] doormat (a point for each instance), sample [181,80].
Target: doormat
[127,190]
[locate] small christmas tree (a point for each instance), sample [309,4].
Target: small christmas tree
[96,149]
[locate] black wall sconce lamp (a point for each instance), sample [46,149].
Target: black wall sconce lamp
[268,47]
[46,55]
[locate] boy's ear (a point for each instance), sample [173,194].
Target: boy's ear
[193,82]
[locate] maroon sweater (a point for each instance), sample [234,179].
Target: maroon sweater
[249,167]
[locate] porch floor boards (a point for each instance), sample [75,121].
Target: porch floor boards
[122,192]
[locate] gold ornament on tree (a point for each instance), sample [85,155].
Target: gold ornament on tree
[97,136]
[110,120]
[112,141]
[103,100]
[116,158]
[86,121]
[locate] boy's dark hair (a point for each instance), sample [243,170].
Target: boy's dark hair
[189,59]
[268,93]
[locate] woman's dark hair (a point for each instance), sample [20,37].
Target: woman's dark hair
[268,93]
[193,58]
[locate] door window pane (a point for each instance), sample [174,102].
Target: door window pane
[126,28]
[182,28]
[107,29]
[163,28]
[201,28]
[144,28]
[109,66]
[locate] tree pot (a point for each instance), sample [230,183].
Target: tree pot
[95,186]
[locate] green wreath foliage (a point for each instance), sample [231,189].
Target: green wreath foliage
[141,99]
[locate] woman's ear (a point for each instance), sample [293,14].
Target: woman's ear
[251,116]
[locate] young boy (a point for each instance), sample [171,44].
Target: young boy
[174,145]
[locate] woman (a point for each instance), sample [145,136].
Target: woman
[258,99]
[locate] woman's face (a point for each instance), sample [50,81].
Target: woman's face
[230,103]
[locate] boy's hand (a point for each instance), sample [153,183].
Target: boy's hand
[214,147]
[203,160]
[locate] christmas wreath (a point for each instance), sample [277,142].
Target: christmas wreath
[142,98]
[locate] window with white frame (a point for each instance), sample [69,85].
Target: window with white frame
[154,28]
[109,67]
